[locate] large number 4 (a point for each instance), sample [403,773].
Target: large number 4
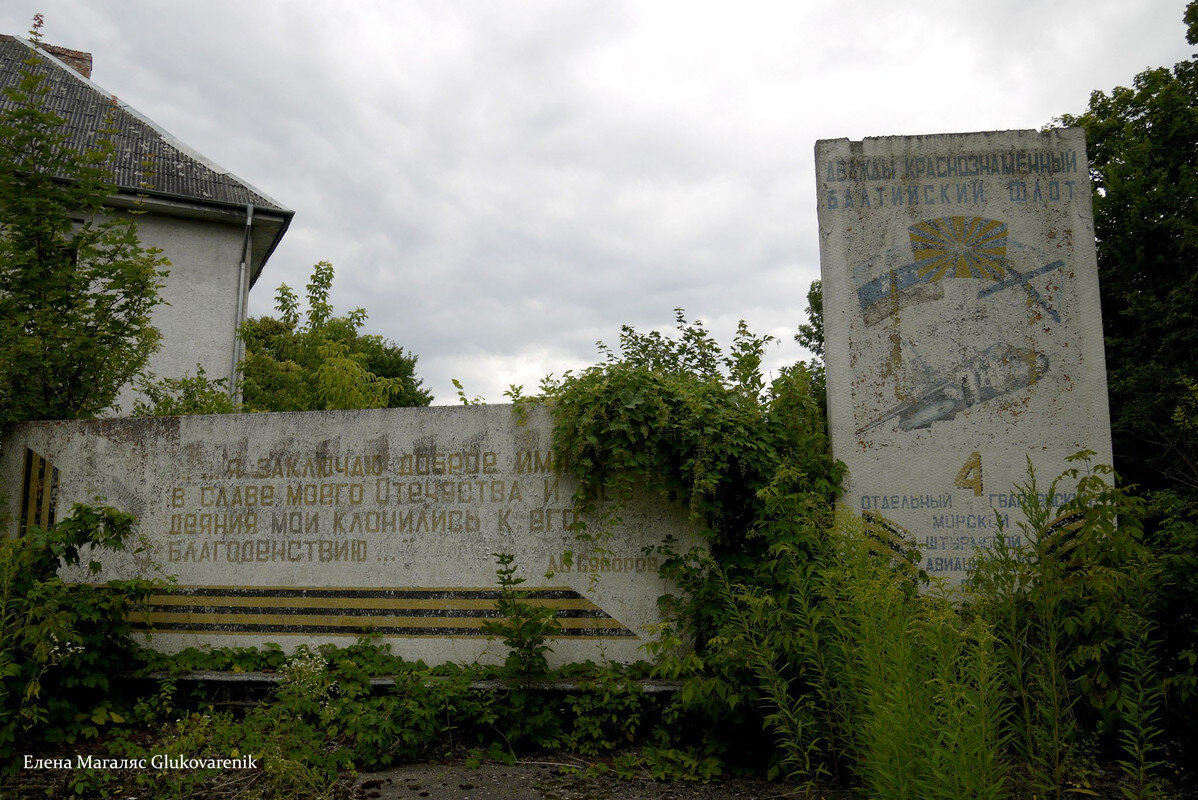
[970,476]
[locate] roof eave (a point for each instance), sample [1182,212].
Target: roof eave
[187,207]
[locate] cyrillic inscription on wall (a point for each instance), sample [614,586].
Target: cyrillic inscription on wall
[325,526]
[963,327]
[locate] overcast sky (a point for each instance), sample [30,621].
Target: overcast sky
[502,184]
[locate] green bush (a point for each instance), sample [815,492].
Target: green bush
[524,627]
[1171,532]
[807,644]
[682,417]
[61,642]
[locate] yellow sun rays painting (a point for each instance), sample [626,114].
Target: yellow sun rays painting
[959,247]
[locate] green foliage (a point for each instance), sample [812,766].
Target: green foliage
[1173,539]
[818,631]
[861,672]
[323,362]
[60,642]
[191,394]
[226,659]
[913,690]
[477,400]
[524,627]
[811,332]
[1067,604]
[683,418]
[1139,706]
[294,754]
[670,764]
[1143,147]
[611,712]
[811,336]
[76,286]
[765,634]
[325,718]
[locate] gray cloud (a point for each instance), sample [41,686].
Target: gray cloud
[501,184]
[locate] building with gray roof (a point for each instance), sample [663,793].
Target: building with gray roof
[217,229]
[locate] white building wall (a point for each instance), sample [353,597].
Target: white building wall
[198,319]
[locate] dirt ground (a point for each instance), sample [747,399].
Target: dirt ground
[544,780]
[451,778]
[559,777]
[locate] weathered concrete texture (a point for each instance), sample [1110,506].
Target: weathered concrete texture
[963,326]
[323,526]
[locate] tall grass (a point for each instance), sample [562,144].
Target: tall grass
[1140,736]
[1003,688]
[1067,608]
[896,683]
[1022,593]
[927,704]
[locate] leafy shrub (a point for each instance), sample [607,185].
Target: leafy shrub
[60,642]
[190,394]
[863,675]
[683,417]
[1171,532]
[524,627]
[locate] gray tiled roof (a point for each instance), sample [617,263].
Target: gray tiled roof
[178,171]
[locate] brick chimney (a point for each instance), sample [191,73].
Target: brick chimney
[75,59]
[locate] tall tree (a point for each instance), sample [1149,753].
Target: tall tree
[323,361]
[811,336]
[1143,145]
[811,332]
[76,286]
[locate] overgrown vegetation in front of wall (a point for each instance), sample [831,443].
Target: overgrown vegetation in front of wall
[66,659]
[61,643]
[1038,678]
[805,645]
[324,719]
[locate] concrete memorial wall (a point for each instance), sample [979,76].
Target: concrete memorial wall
[323,526]
[963,329]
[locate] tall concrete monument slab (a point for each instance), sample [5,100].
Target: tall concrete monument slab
[324,526]
[963,326]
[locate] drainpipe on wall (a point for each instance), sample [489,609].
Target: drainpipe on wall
[242,291]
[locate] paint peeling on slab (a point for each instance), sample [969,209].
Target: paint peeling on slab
[963,327]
